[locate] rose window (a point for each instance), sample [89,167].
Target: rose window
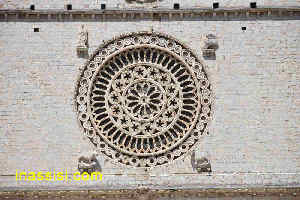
[143,99]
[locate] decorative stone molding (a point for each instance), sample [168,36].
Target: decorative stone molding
[87,162]
[83,43]
[143,99]
[152,13]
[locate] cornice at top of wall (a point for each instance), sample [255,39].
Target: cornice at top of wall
[151,14]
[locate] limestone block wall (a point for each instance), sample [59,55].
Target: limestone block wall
[255,135]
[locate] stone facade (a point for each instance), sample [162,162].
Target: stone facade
[254,136]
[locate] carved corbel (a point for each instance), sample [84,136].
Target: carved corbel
[209,45]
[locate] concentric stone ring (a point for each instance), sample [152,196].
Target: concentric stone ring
[143,99]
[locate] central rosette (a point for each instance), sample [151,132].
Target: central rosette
[144,99]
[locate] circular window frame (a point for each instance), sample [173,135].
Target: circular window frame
[137,40]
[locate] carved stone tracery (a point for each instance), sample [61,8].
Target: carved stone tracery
[143,99]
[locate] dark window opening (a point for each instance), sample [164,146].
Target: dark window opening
[103,6]
[32,7]
[244,28]
[176,6]
[69,7]
[215,5]
[253,5]
[36,29]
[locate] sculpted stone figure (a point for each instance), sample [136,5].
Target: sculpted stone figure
[203,165]
[209,42]
[83,43]
[83,38]
[200,163]
[209,45]
[87,162]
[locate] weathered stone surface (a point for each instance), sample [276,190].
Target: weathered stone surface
[254,136]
